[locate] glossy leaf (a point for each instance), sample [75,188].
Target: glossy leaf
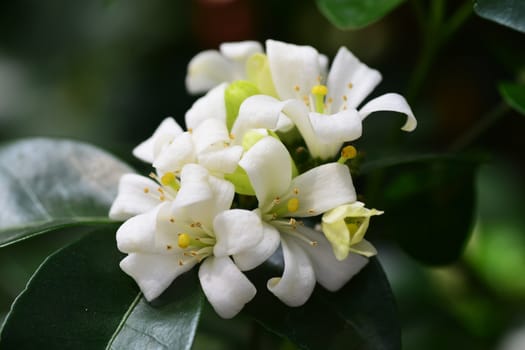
[351,14]
[48,184]
[80,299]
[510,13]
[514,95]
[428,203]
[362,315]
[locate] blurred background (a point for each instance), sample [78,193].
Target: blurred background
[108,71]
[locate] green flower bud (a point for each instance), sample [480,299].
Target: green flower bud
[235,94]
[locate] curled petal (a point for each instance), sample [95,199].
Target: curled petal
[254,256]
[210,132]
[226,288]
[166,131]
[330,272]
[390,102]
[224,160]
[321,188]
[268,165]
[298,280]
[236,230]
[206,70]
[293,67]
[178,153]
[210,106]
[138,233]
[154,273]
[136,195]
[256,112]
[350,78]
[240,51]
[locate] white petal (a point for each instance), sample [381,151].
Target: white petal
[255,256]
[207,70]
[330,272]
[210,106]
[240,51]
[210,132]
[136,195]
[268,165]
[322,188]
[226,288]
[298,280]
[347,69]
[291,66]
[138,233]
[256,112]
[154,273]
[168,129]
[194,186]
[337,128]
[390,102]
[223,161]
[177,154]
[236,230]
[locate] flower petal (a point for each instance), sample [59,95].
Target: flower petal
[347,69]
[223,160]
[235,231]
[298,280]
[390,102]
[268,165]
[154,273]
[194,187]
[138,233]
[136,195]
[178,153]
[167,130]
[206,70]
[226,288]
[240,51]
[321,189]
[291,66]
[210,106]
[256,112]
[254,256]
[330,272]
[364,248]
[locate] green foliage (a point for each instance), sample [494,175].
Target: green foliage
[351,14]
[509,13]
[362,315]
[79,299]
[48,184]
[514,95]
[429,204]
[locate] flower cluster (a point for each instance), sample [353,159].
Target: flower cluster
[265,147]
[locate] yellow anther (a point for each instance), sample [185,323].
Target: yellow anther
[167,179]
[184,240]
[292,205]
[350,85]
[348,152]
[146,190]
[296,88]
[320,90]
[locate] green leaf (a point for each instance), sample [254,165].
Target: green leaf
[428,203]
[514,95]
[80,299]
[362,315]
[510,13]
[48,184]
[351,14]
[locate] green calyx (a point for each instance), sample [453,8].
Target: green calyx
[235,94]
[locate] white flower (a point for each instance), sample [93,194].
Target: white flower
[345,228]
[323,105]
[307,253]
[209,144]
[198,227]
[210,68]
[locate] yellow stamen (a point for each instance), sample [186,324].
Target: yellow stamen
[319,90]
[170,180]
[292,205]
[349,152]
[184,240]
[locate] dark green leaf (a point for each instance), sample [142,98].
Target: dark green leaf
[362,315]
[351,14]
[510,13]
[80,299]
[48,184]
[514,95]
[428,203]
